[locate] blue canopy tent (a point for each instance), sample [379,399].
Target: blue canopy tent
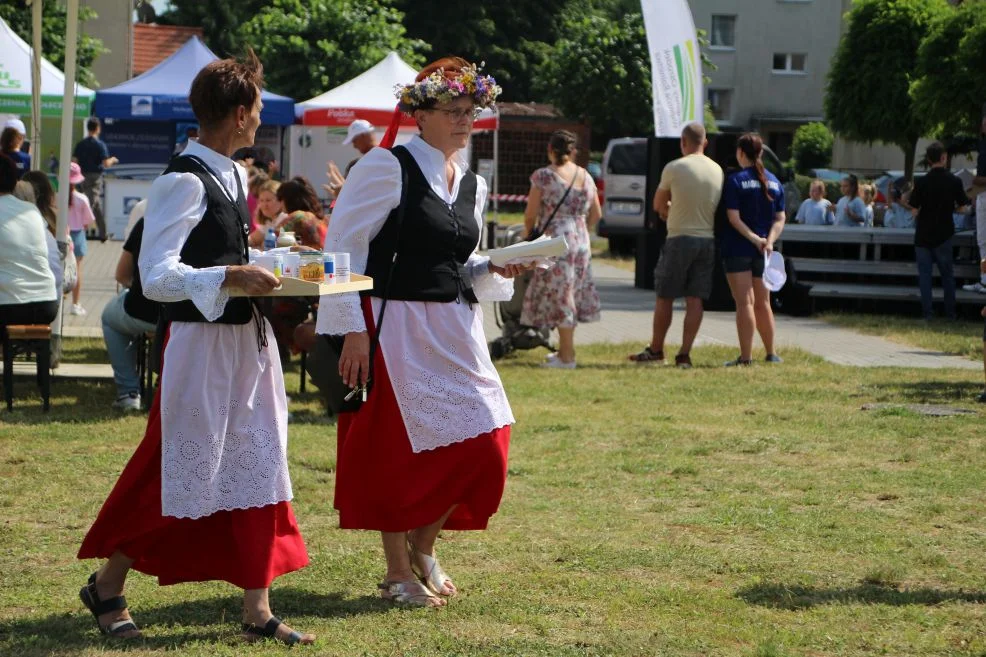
[161,94]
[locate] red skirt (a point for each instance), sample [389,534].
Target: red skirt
[382,485]
[245,547]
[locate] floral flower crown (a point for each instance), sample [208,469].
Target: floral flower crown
[436,88]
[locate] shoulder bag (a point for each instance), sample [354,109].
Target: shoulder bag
[538,230]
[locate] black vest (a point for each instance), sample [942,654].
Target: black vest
[434,242]
[219,239]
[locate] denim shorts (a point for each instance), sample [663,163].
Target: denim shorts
[79,244]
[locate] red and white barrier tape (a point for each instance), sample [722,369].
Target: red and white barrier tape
[509,198]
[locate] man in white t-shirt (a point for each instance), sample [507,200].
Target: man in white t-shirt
[686,199]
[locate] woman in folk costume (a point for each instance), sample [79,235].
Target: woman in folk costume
[428,448]
[206,495]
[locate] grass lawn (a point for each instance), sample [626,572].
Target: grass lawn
[963,337]
[754,511]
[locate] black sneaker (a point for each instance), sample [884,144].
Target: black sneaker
[739,362]
[683,361]
[773,358]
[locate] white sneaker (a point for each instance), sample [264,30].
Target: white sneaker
[975,287]
[129,402]
[559,364]
[77,309]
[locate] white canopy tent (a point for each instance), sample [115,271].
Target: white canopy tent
[17,85]
[21,67]
[371,90]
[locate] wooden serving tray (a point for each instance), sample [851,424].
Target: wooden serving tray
[296,287]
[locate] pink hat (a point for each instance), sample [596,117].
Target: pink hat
[75,174]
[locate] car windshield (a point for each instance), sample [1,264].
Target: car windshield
[628,159]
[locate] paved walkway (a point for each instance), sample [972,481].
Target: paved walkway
[627,314]
[98,287]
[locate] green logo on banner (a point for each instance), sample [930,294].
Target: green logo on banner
[687,77]
[7,82]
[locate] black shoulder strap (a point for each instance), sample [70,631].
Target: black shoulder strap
[393,263]
[544,228]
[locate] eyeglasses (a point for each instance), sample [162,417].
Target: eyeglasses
[457,115]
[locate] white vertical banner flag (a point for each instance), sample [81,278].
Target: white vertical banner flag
[676,66]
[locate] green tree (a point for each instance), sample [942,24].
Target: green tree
[867,98]
[812,147]
[600,71]
[53,35]
[513,38]
[309,46]
[220,21]
[951,89]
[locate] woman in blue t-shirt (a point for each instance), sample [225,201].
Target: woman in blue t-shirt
[754,202]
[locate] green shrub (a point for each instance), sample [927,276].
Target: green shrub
[812,147]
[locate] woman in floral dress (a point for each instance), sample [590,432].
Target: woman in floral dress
[563,295]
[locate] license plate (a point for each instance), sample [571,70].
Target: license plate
[625,207]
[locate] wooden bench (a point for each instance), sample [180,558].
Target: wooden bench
[38,337]
[870,263]
[888,292]
[898,268]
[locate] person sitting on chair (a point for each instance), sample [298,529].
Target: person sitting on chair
[27,285]
[125,318]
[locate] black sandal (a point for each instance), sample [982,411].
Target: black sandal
[269,631]
[99,607]
[648,355]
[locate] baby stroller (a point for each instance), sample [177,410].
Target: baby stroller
[515,335]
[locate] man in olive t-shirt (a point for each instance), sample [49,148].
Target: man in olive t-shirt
[686,199]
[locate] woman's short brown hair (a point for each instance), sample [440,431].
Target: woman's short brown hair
[224,85]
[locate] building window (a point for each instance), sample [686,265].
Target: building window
[720,101]
[723,33]
[789,62]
